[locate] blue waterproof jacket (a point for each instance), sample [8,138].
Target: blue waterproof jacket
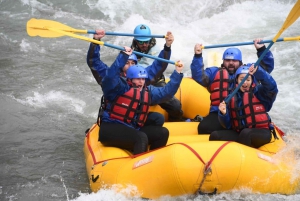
[113,86]
[206,76]
[265,92]
[99,68]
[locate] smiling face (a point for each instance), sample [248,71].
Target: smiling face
[247,84]
[139,82]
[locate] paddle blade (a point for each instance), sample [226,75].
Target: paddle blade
[292,17]
[40,27]
[214,59]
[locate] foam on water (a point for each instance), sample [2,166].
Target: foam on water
[54,98]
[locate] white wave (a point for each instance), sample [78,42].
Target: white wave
[232,23]
[6,39]
[54,98]
[114,193]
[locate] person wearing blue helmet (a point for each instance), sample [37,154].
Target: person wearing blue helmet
[143,44]
[147,45]
[220,80]
[246,116]
[99,68]
[127,105]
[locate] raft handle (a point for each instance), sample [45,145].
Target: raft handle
[212,193]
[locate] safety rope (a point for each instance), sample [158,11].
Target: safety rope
[207,169]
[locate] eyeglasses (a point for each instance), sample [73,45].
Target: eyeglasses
[143,42]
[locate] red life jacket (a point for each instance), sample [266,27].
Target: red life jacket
[131,107]
[220,86]
[254,114]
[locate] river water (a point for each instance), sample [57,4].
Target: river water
[48,96]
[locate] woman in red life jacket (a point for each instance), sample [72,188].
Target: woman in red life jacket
[127,106]
[246,113]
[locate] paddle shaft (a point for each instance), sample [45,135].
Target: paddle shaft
[137,53]
[109,45]
[240,44]
[112,33]
[251,42]
[292,17]
[126,34]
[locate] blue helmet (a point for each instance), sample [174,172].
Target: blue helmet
[142,29]
[233,53]
[136,71]
[133,57]
[242,70]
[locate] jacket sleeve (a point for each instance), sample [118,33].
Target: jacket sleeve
[224,119]
[203,77]
[163,94]
[267,90]
[113,85]
[268,61]
[156,69]
[97,67]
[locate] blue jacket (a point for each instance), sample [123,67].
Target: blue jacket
[99,68]
[113,86]
[265,92]
[206,77]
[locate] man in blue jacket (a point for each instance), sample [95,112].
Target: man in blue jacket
[220,80]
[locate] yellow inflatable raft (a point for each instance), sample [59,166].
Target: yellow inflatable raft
[190,163]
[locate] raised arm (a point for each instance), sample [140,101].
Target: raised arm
[268,61]
[97,67]
[197,68]
[156,69]
[112,84]
[162,94]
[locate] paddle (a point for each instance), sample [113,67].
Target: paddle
[58,33]
[250,43]
[292,17]
[39,27]
[214,59]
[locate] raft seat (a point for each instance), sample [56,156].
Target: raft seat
[194,98]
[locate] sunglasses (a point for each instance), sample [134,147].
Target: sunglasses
[143,42]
